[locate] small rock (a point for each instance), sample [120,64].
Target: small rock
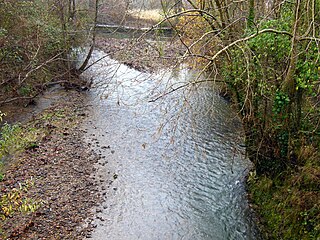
[94,225]
[89,235]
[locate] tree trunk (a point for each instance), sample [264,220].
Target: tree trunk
[251,14]
[289,84]
[86,61]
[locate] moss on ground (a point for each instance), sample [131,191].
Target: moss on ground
[289,205]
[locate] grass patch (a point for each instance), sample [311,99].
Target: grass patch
[289,205]
[16,138]
[11,139]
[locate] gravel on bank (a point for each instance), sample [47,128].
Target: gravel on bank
[144,54]
[61,167]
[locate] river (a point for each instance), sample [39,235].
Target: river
[176,159]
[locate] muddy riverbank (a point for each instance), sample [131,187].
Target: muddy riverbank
[61,168]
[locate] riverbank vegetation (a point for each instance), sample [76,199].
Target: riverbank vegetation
[36,42]
[36,39]
[267,56]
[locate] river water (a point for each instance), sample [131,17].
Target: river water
[176,159]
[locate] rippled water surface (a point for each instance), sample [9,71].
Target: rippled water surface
[176,158]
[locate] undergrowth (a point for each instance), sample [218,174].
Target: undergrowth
[14,140]
[289,204]
[15,137]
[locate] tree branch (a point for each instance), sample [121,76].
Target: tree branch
[268,30]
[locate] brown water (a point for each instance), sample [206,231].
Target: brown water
[18,113]
[177,162]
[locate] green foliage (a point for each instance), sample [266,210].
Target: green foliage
[280,103]
[282,128]
[26,90]
[289,204]
[255,76]
[308,69]
[10,139]
[271,51]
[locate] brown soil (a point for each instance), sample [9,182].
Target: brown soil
[62,168]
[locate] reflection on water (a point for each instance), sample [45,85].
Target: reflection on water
[179,166]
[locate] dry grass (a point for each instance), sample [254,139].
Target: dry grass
[153,15]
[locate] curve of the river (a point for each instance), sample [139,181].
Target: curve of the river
[177,161]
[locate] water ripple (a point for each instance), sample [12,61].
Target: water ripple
[180,170]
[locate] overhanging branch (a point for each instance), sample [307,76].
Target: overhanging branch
[268,30]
